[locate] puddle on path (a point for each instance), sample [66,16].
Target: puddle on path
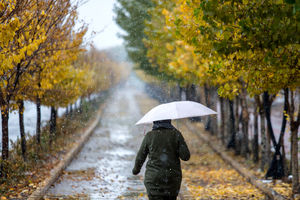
[102,170]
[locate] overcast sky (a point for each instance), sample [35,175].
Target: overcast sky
[98,14]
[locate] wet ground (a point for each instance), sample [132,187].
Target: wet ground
[102,170]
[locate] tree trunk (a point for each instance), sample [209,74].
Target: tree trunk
[267,106]
[238,133]
[268,144]
[277,169]
[53,123]
[38,120]
[282,131]
[178,88]
[294,158]
[285,162]
[67,111]
[182,94]
[264,157]
[222,129]
[291,153]
[70,110]
[207,102]
[227,122]
[232,141]
[5,138]
[191,96]
[236,114]
[22,129]
[245,125]
[80,104]
[213,106]
[294,124]
[255,147]
[190,92]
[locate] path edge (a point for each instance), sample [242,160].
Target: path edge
[56,171]
[238,167]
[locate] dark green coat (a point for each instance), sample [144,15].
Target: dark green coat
[163,174]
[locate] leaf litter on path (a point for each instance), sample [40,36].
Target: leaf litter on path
[207,176]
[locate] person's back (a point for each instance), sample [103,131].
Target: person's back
[164,146]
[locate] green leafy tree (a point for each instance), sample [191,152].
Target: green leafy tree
[131,16]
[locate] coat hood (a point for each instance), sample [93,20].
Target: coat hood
[162,124]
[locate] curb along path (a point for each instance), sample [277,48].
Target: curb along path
[56,172]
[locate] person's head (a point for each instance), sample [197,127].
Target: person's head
[162,124]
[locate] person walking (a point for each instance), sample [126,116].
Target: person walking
[165,146]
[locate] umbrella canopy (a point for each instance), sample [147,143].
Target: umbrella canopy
[175,110]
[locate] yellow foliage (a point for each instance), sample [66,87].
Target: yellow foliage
[177,58]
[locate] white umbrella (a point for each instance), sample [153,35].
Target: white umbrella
[175,110]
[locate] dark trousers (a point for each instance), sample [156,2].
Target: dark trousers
[154,197]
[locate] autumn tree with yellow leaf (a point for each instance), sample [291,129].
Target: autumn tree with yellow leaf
[36,38]
[265,48]
[249,50]
[19,45]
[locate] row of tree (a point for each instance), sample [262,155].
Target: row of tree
[247,51]
[38,46]
[43,60]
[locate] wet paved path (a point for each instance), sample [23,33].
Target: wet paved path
[102,170]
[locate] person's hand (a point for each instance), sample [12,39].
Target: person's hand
[135,171]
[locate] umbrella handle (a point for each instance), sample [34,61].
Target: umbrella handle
[144,130]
